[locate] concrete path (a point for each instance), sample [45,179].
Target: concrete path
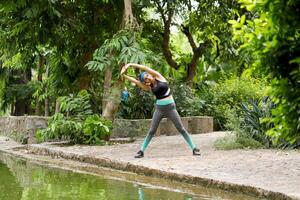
[7,143]
[268,173]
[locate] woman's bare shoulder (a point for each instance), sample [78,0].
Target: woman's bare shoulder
[161,79]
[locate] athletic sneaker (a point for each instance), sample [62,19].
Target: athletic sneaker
[140,154]
[196,152]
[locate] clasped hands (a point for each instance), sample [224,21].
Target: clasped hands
[124,68]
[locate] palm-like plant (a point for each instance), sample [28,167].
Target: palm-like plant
[253,113]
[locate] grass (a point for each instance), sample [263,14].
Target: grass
[232,141]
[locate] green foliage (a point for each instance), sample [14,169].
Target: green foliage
[267,31]
[29,29]
[61,127]
[63,73]
[78,124]
[90,130]
[123,47]
[3,86]
[208,22]
[187,103]
[286,115]
[252,114]
[225,97]
[38,88]
[76,105]
[15,90]
[246,121]
[249,127]
[241,137]
[96,129]
[271,36]
[210,31]
[232,141]
[140,105]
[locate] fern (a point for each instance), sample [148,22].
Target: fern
[3,85]
[123,47]
[76,105]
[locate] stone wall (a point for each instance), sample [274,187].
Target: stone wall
[139,127]
[23,128]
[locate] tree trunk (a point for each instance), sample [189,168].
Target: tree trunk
[192,68]
[22,106]
[106,87]
[40,79]
[112,93]
[167,13]
[27,78]
[114,100]
[85,76]
[57,106]
[197,53]
[166,40]
[12,109]
[167,20]
[129,20]
[19,108]
[47,108]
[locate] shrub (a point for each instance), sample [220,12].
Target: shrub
[96,129]
[252,114]
[238,138]
[76,122]
[92,129]
[255,123]
[249,127]
[76,105]
[187,103]
[140,105]
[271,36]
[60,127]
[233,141]
[226,96]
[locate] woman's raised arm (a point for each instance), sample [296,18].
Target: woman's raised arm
[153,72]
[138,83]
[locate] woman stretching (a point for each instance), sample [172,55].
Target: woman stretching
[151,80]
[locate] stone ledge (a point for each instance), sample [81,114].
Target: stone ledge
[142,170]
[23,128]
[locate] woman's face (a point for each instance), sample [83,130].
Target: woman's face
[148,79]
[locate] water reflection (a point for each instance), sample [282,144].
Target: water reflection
[9,187]
[26,181]
[141,193]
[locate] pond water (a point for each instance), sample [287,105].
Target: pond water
[20,179]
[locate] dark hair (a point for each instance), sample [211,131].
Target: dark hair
[141,76]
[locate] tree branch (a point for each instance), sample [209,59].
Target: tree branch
[188,34]
[192,66]
[166,40]
[161,11]
[189,4]
[167,20]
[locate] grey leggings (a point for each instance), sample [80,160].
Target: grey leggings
[170,112]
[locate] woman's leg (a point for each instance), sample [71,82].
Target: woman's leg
[157,116]
[175,118]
